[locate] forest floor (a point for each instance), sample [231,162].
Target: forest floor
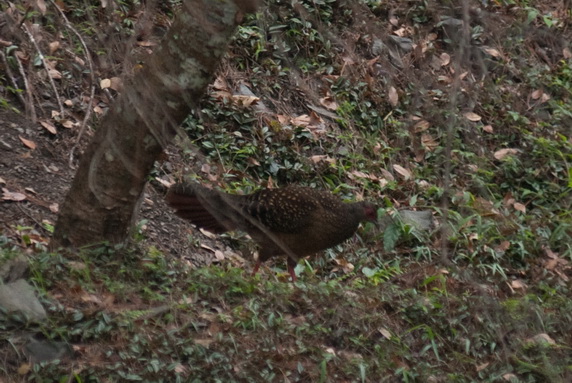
[362,97]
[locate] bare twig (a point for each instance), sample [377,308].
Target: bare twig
[450,133]
[29,103]
[46,67]
[91,76]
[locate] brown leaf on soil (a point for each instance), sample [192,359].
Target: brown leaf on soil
[402,171]
[30,144]
[54,46]
[541,339]
[421,126]
[519,207]
[68,124]
[322,158]
[329,103]
[245,101]
[41,6]
[429,142]
[12,196]
[49,126]
[445,59]
[105,83]
[492,51]
[393,96]
[472,116]
[502,153]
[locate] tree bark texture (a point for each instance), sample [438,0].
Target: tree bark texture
[104,195]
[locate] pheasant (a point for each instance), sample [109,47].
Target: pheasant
[292,221]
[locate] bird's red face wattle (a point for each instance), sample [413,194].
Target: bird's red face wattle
[370,213]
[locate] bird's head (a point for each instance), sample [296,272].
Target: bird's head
[369,212]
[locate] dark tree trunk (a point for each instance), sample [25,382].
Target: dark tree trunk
[109,182]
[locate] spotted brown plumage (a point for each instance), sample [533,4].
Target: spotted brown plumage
[292,221]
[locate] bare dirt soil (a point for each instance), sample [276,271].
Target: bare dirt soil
[35,175]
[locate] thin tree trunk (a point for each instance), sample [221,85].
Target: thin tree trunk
[112,173]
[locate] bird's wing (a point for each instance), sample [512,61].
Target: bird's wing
[287,210]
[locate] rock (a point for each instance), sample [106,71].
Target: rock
[13,269]
[45,350]
[420,220]
[403,43]
[20,296]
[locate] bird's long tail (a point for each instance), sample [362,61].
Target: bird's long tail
[201,206]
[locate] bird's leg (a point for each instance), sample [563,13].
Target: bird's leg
[256,267]
[291,266]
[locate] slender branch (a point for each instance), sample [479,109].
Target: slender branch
[46,67]
[91,77]
[27,102]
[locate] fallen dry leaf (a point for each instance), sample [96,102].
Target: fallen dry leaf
[116,83]
[68,124]
[421,126]
[105,83]
[49,126]
[445,79]
[322,158]
[387,175]
[510,377]
[12,196]
[429,142]
[541,339]
[302,120]
[394,21]
[481,367]
[502,153]
[203,342]
[445,59]
[79,60]
[536,94]
[518,284]
[472,116]
[41,5]
[492,51]
[24,368]
[393,96]
[76,265]
[329,103]
[210,235]
[519,207]
[53,46]
[503,246]
[55,74]
[385,332]
[242,100]
[401,170]
[220,84]
[30,144]
[54,207]
[549,253]
[330,350]
[146,43]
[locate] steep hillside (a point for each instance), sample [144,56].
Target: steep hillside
[461,110]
